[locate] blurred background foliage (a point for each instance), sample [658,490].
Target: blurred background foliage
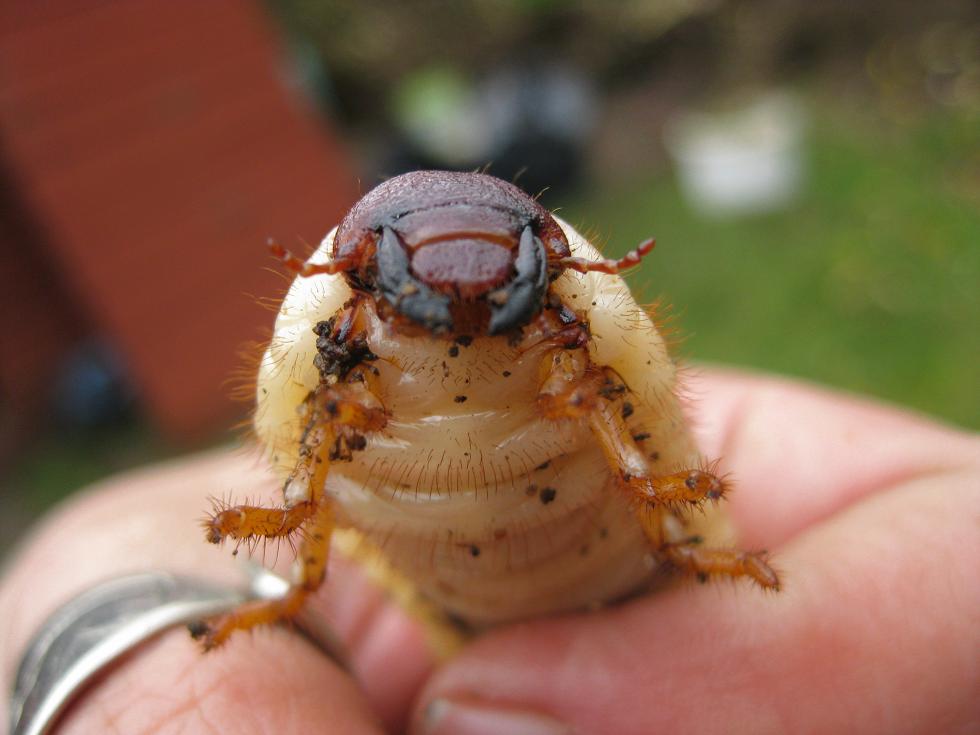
[868,279]
[860,270]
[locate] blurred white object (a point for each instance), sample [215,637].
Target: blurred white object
[440,112]
[748,160]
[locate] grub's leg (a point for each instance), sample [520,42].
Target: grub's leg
[574,388]
[687,554]
[311,567]
[691,486]
[248,523]
[338,417]
[339,414]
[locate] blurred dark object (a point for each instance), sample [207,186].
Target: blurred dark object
[147,151]
[543,117]
[370,46]
[528,124]
[91,388]
[510,86]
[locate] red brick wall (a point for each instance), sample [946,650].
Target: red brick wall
[39,321]
[158,145]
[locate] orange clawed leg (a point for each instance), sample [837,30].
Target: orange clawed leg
[311,571]
[691,558]
[575,388]
[337,415]
[686,553]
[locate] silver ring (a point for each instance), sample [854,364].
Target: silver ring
[94,629]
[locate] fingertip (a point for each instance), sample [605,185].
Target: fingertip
[269,681]
[798,453]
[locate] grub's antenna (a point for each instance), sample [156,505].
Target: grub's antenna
[302,268]
[607,265]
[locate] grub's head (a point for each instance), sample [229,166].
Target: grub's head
[452,252]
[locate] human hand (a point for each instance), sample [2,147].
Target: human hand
[270,681]
[874,518]
[877,510]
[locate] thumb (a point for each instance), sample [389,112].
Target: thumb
[270,681]
[874,632]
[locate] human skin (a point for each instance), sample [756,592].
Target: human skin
[872,515]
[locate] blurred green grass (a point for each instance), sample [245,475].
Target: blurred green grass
[870,282]
[63,462]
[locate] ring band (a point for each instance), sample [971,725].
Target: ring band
[92,630]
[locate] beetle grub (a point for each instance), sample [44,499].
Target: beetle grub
[439,262]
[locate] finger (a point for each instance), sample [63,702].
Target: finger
[389,653]
[799,453]
[876,632]
[150,520]
[274,682]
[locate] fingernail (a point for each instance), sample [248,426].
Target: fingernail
[475,717]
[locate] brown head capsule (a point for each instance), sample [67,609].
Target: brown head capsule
[455,252]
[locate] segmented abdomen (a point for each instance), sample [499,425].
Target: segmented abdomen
[493,512]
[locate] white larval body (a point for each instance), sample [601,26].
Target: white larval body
[494,513]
